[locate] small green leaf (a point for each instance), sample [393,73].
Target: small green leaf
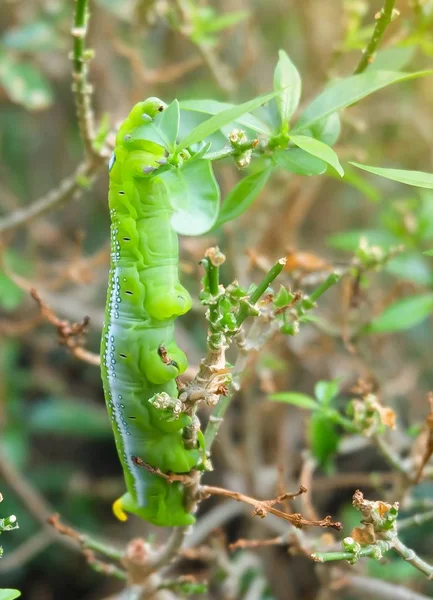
[326,391]
[295,398]
[411,266]
[194,195]
[323,437]
[68,417]
[428,252]
[7,594]
[10,294]
[345,92]
[287,84]
[224,21]
[319,150]
[169,124]
[402,314]
[213,107]
[243,195]
[326,130]
[211,125]
[299,162]
[415,178]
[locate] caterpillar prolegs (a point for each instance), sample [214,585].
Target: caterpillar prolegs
[140,358]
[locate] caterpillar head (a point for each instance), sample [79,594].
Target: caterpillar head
[145,111]
[142,113]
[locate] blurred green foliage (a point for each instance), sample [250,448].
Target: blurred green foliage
[54,428]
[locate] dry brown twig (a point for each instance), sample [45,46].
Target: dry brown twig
[89,548]
[424,443]
[69,335]
[263,507]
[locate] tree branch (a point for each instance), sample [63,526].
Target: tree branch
[383,19]
[81,88]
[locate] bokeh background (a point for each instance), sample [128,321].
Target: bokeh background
[56,448]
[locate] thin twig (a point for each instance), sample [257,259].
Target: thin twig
[418,519]
[69,335]
[32,547]
[89,547]
[263,507]
[69,188]
[169,551]
[383,19]
[262,287]
[411,557]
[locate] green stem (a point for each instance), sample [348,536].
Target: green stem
[391,456]
[346,423]
[81,87]
[261,288]
[215,420]
[101,547]
[323,557]
[385,18]
[214,258]
[329,282]
[79,33]
[411,557]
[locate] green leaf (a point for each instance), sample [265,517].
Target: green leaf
[295,398]
[326,130]
[224,21]
[319,150]
[323,437]
[10,294]
[287,85]
[411,266]
[326,391]
[211,125]
[7,594]
[428,252]
[169,124]
[392,59]
[415,178]
[24,84]
[402,314]
[299,162]
[69,418]
[243,195]
[348,91]
[194,195]
[213,107]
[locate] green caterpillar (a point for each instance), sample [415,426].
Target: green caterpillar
[140,359]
